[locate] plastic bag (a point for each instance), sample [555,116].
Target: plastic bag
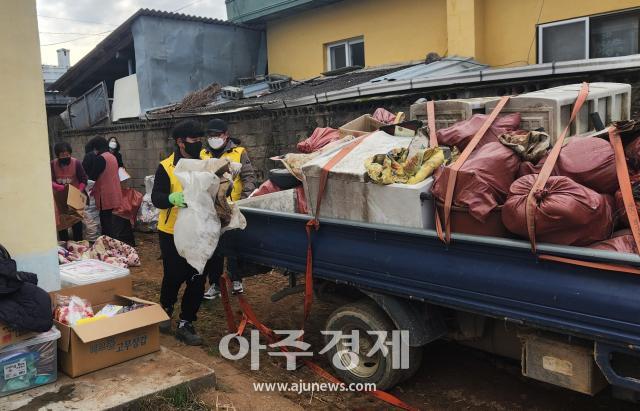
[197,228]
[70,309]
[91,220]
[147,219]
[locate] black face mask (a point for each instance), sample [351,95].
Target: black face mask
[193,149]
[64,161]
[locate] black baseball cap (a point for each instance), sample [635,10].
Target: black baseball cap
[217,125]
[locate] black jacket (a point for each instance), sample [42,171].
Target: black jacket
[23,305]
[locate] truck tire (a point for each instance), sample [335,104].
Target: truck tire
[365,315]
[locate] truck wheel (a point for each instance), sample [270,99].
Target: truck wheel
[365,315]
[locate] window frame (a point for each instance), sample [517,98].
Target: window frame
[587,38]
[347,43]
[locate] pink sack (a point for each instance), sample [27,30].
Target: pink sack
[461,133]
[567,213]
[320,138]
[589,161]
[483,181]
[622,242]
[384,116]
[266,188]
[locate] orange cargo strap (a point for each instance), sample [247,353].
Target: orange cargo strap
[431,123]
[629,205]
[249,317]
[547,168]
[453,172]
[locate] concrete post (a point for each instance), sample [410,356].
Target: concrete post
[27,222]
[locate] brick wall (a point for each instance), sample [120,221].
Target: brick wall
[269,133]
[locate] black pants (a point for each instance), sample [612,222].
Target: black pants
[77,233]
[215,268]
[122,230]
[176,272]
[106,223]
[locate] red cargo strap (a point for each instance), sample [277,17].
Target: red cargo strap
[249,317]
[315,223]
[453,172]
[629,205]
[590,264]
[431,122]
[547,168]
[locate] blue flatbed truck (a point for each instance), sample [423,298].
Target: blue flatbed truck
[572,326]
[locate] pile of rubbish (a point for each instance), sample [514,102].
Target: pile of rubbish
[381,169]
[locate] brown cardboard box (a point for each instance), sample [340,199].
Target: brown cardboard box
[100,344]
[9,335]
[70,204]
[360,126]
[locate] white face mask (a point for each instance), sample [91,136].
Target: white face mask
[216,142]
[113,145]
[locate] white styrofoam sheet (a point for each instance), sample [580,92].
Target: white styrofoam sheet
[126,100]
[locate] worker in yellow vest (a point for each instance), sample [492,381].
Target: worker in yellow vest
[221,145]
[168,198]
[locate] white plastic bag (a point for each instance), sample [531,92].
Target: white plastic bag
[147,215]
[197,228]
[91,218]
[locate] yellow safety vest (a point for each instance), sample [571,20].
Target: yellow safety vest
[167,218]
[234,155]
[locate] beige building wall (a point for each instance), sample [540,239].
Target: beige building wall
[27,222]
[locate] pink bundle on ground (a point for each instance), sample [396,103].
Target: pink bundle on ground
[567,213]
[483,181]
[589,161]
[461,133]
[105,249]
[320,138]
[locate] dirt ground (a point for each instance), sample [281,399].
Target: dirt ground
[451,377]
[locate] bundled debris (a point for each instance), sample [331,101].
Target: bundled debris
[193,100]
[396,167]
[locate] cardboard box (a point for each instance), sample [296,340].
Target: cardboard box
[106,342]
[10,336]
[360,126]
[70,204]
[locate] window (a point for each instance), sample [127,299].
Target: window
[608,35]
[345,53]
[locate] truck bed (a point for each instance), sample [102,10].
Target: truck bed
[496,277]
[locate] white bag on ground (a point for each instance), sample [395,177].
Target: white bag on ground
[91,220]
[197,228]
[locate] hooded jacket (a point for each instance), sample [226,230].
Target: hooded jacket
[23,305]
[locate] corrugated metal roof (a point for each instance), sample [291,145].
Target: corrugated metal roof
[446,66]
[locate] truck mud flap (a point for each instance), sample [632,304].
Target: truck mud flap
[604,354]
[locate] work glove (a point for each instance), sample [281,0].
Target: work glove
[177,199]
